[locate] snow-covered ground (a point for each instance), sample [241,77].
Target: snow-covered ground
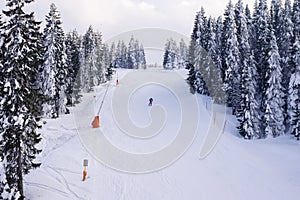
[235,169]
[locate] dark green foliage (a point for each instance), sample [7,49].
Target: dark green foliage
[73,64]
[109,72]
[21,101]
[231,59]
[53,72]
[259,55]
[196,82]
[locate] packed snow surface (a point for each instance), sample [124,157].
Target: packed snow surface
[234,169]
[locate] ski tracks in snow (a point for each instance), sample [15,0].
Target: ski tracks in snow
[62,186]
[62,181]
[48,188]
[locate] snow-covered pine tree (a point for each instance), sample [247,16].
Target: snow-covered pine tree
[21,102]
[182,57]
[243,37]
[201,28]
[88,65]
[3,183]
[273,118]
[54,69]
[242,32]
[73,64]
[112,54]
[109,72]
[142,57]
[71,71]
[191,68]
[253,26]
[197,37]
[173,55]
[211,46]
[296,16]
[192,45]
[284,46]
[200,75]
[61,67]
[250,27]
[261,28]
[198,85]
[106,62]
[218,41]
[296,118]
[1,41]
[276,18]
[123,55]
[197,54]
[119,56]
[191,79]
[120,61]
[294,86]
[1,32]
[200,20]
[77,88]
[208,68]
[47,72]
[248,113]
[137,54]
[101,56]
[131,57]
[170,60]
[167,57]
[231,59]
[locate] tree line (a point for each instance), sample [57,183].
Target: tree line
[175,56]
[254,60]
[42,74]
[131,56]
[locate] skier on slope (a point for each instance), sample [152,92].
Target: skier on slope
[150,101]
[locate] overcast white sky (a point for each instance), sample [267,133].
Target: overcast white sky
[113,17]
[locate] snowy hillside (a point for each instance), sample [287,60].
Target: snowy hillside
[235,169]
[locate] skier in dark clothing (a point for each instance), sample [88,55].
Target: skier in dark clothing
[150,101]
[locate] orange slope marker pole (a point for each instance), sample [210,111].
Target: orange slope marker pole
[96,122]
[84,174]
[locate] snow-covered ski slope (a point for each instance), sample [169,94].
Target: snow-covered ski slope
[134,137]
